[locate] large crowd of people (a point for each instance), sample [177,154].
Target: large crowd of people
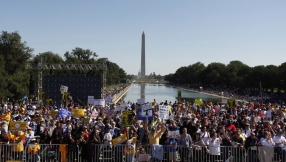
[203,132]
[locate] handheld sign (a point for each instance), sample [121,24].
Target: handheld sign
[231,103]
[163,112]
[17,126]
[119,139]
[99,102]
[53,113]
[127,118]
[77,113]
[90,100]
[63,88]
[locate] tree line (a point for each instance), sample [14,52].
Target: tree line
[233,75]
[15,54]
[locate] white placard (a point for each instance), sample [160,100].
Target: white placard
[121,107]
[174,133]
[99,102]
[108,99]
[144,157]
[224,100]
[163,112]
[90,99]
[64,88]
[141,101]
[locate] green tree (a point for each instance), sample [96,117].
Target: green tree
[15,54]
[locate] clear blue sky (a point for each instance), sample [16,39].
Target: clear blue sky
[178,33]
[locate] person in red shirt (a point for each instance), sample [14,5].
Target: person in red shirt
[230,126]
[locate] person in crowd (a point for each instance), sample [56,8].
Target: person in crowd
[172,147]
[33,150]
[267,150]
[17,140]
[250,146]
[205,135]
[280,143]
[214,146]
[93,146]
[185,144]
[107,141]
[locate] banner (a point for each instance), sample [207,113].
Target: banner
[99,102]
[54,113]
[198,101]
[17,126]
[119,140]
[90,100]
[231,103]
[64,113]
[141,101]
[127,118]
[107,112]
[77,113]
[163,112]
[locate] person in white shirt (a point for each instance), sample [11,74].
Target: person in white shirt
[280,143]
[247,131]
[107,141]
[205,135]
[267,140]
[266,150]
[214,146]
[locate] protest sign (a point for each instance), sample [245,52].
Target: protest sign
[107,112]
[99,102]
[63,88]
[53,113]
[119,140]
[108,99]
[90,100]
[144,157]
[141,101]
[231,103]
[121,107]
[174,133]
[17,126]
[77,113]
[86,120]
[146,111]
[224,100]
[127,118]
[163,112]
[142,115]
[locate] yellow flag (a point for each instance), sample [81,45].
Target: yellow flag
[119,139]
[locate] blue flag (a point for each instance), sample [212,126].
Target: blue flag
[64,113]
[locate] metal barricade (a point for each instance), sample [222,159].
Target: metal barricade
[12,152]
[52,153]
[266,154]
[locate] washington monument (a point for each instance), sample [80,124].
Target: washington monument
[143,56]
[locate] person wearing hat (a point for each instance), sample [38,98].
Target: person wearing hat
[280,143]
[17,141]
[33,149]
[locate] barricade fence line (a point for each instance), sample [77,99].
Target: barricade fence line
[140,153]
